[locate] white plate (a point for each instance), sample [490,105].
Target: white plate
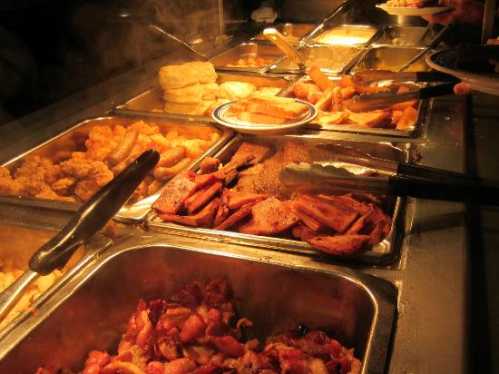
[413,11]
[220,116]
[486,83]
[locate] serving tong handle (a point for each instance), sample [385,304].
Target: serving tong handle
[365,103]
[280,42]
[371,76]
[339,10]
[433,44]
[401,179]
[87,221]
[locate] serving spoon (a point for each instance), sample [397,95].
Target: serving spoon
[87,221]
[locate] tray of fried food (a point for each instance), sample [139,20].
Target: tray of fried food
[195,89]
[74,165]
[17,244]
[238,196]
[328,94]
[247,56]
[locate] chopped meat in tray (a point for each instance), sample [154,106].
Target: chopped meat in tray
[245,195]
[197,331]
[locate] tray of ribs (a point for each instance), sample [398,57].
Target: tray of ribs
[238,197]
[329,93]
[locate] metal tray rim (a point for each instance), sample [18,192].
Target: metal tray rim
[382,293]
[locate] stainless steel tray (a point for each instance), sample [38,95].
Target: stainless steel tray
[294,31]
[334,60]
[391,58]
[150,103]
[404,36]
[90,312]
[383,253]
[18,242]
[349,35]
[229,60]
[416,130]
[66,141]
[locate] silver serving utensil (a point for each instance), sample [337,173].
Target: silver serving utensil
[282,43]
[366,103]
[90,218]
[433,44]
[405,180]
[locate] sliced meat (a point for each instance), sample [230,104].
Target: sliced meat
[336,217]
[223,212]
[257,152]
[308,221]
[175,193]
[302,232]
[235,217]
[202,197]
[270,216]
[209,165]
[235,199]
[349,202]
[340,245]
[358,225]
[204,218]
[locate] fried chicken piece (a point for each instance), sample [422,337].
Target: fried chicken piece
[176,191]
[64,185]
[340,245]
[8,185]
[270,216]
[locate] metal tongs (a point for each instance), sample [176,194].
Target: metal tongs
[339,10]
[367,77]
[366,103]
[390,178]
[282,43]
[90,218]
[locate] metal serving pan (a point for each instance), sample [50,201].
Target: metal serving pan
[92,310]
[383,253]
[262,54]
[17,244]
[410,132]
[69,140]
[150,103]
[391,58]
[348,35]
[404,36]
[337,59]
[293,31]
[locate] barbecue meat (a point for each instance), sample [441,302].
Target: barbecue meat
[340,245]
[175,193]
[270,216]
[334,216]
